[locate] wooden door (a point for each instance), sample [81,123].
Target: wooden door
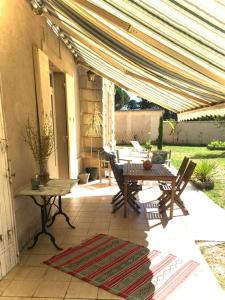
[8,240]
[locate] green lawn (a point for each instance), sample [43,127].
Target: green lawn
[199,153]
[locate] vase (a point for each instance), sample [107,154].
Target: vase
[44,174]
[83,178]
[147,164]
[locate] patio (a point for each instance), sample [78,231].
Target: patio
[90,210]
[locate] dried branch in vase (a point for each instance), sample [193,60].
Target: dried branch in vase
[40,141]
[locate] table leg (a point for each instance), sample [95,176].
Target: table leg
[125,198]
[60,212]
[44,214]
[172,198]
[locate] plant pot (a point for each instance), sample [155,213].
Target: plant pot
[93,173]
[83,178]
[207,185]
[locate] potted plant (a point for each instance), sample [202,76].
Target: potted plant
[94,129]
[203,175]
[147,164]
[40,139]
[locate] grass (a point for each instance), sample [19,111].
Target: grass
[200,153]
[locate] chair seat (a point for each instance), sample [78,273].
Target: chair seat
[165,186]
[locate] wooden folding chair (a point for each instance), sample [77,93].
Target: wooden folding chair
[133,189]
[103,166]
[181,183]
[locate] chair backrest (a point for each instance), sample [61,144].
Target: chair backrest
[182,168]
[137,146]
[159,157]
[118,172]
[180,186]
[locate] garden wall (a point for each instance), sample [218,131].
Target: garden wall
[193,133]
[135,125]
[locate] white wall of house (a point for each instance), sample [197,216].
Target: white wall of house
[21,32]
[136,125]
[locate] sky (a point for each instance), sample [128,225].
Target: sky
[133,96]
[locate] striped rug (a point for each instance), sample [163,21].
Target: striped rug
[123,268]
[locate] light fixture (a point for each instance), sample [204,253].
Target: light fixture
[90,75]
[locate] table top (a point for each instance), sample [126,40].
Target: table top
[54,187]
[157,172]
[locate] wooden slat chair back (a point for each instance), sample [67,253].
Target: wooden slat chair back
[182,169]
[133,189]
[181,183]
[185,178]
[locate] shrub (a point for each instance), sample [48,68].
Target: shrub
[216,144]
[204,171]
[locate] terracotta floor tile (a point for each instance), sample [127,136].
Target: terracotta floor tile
[82,290]
[21,288]
[52,289]
[104,295]
[56,275]
[3,285]
[30,273]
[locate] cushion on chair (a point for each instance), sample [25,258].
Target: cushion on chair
[159,157]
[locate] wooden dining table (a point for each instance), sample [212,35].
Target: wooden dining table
[158,172]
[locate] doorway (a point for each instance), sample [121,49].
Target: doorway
[60,120]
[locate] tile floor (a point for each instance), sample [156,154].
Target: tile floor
[89,210]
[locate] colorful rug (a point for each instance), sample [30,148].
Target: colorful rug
[123,268]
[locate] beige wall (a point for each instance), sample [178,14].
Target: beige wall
[21,30]
[90,95]
[135,125]
[193,133]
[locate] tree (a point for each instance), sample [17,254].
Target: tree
[132,104]
[121,98]
[160,136]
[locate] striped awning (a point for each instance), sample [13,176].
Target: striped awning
[171,52]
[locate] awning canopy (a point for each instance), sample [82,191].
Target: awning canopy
[171,52]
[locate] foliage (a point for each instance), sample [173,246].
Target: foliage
[94,128]
[220,122]
[132,104]
[40,140]
[160,134]
[216,144]
[172,123]
[148,145]
[121,98]
[145,104]
[204,171]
